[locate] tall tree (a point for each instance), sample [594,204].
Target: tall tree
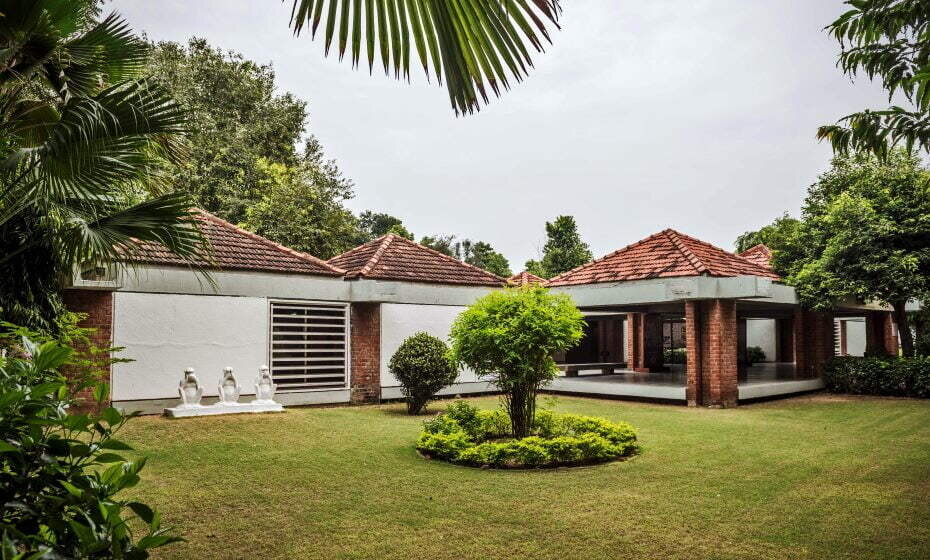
[82,136]
[888,40]
[472,46]
[484,256]
[773,235]
[445,244]
[563,251]
[375,224]
[865,234]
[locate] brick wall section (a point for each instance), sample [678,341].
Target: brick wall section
[889,335]
[719,354]
[652,342]
[693,323]
[634,332]
[881,339]
[98,306]
[813,342]
[366,352]
[800,327]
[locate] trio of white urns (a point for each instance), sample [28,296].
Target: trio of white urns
[228,389]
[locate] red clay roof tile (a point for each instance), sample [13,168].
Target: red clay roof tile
[665,254]
[524,278]
[392,257]
[759,254]
[234,248]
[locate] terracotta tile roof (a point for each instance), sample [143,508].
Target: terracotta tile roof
[524,278]
[759,254]
[237,249]
[666,254]
[392,257]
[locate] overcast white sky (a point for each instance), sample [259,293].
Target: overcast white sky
[694,114]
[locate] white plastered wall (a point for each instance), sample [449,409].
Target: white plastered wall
[398,321]
[761,333]
[855,336]
[166,333]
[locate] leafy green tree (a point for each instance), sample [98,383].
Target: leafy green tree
[509,337]
[236,121]
[484,256]
[563,251]
[773,236]
[83,134]
[865,234]
[445,244]
[886,40]
[375,224]
[301,207]
[473,46]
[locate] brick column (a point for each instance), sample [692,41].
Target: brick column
[693,324]
[880,336]
[711,339]
[822,346]
[634,330]
[799,328]
[97,305]
[784,340]
[366,352]
[889,335]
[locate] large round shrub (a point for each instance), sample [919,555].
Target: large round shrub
[478,438]
[423,368]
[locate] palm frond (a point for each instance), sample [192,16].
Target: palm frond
[472,45]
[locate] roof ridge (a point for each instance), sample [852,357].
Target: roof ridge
[376,256]
[728,253]
[689,255]
[450,258]
[293,252]
[607,256]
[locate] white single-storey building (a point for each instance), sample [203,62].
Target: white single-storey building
[327,329]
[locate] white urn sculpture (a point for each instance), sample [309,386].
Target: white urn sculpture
[229,388]
[190,390]
[264,387]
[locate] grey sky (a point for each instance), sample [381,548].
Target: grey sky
[693,114]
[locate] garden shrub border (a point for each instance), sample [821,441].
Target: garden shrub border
[884,376]
[464,435]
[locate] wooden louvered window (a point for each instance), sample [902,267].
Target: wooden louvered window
[309,345]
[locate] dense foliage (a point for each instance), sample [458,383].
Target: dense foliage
[480,253]
[244,164]
[887,40]
[563,251]
[468,436]
[472,46]
[509,337]
[864,234]
[60,472]
[900,377]
[774,235]
[83,135]
[375,224]
[422,367]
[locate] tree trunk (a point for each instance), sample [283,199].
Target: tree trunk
[521,406]
[904,329]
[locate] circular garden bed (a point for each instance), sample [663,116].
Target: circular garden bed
[467,436]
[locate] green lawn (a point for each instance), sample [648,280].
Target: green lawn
[812,477]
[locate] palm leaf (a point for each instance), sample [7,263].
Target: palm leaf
[472,45]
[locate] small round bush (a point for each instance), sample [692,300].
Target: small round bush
[480,438]
[423,369]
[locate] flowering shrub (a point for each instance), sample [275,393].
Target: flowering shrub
[468,436]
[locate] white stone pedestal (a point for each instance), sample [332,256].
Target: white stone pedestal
[185,411]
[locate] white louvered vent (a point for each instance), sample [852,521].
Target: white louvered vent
[309,345]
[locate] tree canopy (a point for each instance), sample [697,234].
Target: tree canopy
[375,224]
[864,234]
[773,236]
[563,251]
[476,253]
[887,40]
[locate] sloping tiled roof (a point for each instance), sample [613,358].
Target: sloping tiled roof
[759,254]
[392,257]
[666,254]
[524,278]
[237,249]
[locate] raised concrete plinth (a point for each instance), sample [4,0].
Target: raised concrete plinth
[212,410]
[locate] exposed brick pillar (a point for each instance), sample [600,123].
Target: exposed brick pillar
[784,340]
[889,335]
[742,349]
[881,339]
[711,340]
[693,324]
[366,352]
[97,305]
[652,346]
[634,338]
[822,346]
[719,353]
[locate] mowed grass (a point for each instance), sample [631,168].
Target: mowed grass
[811,477]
